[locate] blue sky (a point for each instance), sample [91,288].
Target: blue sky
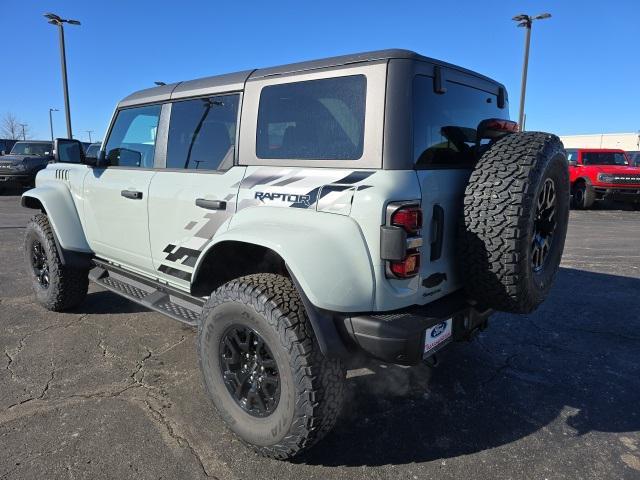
[584,74]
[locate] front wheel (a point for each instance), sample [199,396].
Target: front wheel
[57,287]
[263,369]
[583,196]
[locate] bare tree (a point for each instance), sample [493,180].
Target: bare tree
[12,128]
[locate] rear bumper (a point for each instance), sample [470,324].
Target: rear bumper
[399,336]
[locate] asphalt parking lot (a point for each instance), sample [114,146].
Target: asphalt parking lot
[112,390]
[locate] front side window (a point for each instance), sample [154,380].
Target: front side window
[313,120]
[202,133]
[132,140]
[604,158]
[445,125]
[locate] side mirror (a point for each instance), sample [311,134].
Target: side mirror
[67,150]
[493,128]
[3,152]
[573,163]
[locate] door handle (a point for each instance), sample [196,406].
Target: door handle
[132,194]
[211,204]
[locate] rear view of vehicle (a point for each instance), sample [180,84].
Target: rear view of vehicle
[601,174]
[378,204]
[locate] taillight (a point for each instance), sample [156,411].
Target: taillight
[492,128]
[409,267]
[401,240]
[409,218]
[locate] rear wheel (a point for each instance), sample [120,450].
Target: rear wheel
[57,287]
[263,369]
[512,232]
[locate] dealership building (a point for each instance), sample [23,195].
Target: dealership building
[623,141]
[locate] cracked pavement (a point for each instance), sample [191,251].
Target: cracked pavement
[111,390]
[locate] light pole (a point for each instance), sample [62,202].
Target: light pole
[526,21]
[56,20]
[89,132]
[24,136]
[51,122]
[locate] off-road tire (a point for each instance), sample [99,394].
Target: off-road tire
[496,228]
[583,195]
[311,384]
[67,286]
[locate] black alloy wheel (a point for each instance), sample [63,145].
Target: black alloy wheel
[249,371]
[544,225]
[40,264]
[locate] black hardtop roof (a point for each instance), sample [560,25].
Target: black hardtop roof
[235,81]
[32,141]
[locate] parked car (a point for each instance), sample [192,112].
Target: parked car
[378,204]
[19,168]
[6,145]
[93,149]
[598,174]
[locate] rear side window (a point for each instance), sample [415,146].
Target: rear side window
[202,133]
[132,141]
[444,125]
[313,120]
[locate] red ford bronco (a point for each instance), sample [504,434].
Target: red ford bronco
[598,174]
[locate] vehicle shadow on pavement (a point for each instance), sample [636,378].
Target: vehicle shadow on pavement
[570,368]
[104,301]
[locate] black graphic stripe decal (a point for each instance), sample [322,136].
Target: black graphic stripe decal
[258,179]
[190,253]
[354,177]
[350,179]
[174,272]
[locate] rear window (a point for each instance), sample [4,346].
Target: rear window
[604,158]
[313,120]
[444,125]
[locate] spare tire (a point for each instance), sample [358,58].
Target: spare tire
[514,222]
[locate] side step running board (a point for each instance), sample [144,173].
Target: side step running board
[161,298]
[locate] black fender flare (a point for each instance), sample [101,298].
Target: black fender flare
[323,323]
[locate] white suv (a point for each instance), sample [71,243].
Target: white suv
[377,203]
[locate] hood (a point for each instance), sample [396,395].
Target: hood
[617,169]
[15,159]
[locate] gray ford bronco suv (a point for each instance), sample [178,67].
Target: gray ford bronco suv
[379,204]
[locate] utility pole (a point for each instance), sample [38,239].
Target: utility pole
[89,132]
[526,21]
[24,136]
[51,122]
[58,21]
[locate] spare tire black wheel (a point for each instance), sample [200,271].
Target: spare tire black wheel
[514,223]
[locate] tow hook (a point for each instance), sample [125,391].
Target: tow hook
[472,334]
[431,361]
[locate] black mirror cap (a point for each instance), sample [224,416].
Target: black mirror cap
[68,150]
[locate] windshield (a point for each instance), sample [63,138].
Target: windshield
[604,158]
[31,148]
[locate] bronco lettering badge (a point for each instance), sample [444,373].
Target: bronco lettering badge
[284,197]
